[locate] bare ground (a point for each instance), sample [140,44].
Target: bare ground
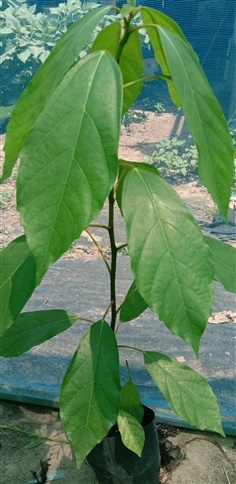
[187,457]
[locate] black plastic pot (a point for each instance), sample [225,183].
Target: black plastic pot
[113,463]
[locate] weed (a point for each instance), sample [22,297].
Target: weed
[133,116]
[159,108]
[5,197]
[173,158]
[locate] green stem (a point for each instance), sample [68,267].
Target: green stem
[99,249]
[121,247]
[143,26]
[116,8]
[130,348]
[99,226]
[113,260]
[149,78]
[86,320]
[107,310]
[124,39]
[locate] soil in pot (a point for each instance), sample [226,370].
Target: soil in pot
[113,463]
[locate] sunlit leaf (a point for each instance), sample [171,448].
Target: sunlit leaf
[170,259]
[224,259]
[90,392]
[204,118]
[44,83]
[32,329]
[17,280]
[69,162]
[187,392]
[152,16]
[131,431]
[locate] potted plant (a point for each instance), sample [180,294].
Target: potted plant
[65,128]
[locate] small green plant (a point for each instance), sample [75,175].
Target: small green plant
[174,159]
[133,116]
[5,197]
[65,128]
[37,434]
[28,35]
[159,108]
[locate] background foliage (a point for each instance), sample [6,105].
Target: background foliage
[27,38]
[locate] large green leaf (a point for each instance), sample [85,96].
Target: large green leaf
[32,329]
[17,280]
[152,16]
[44,83]
[69,161]
[131,431]
[130,62]
[204,118]
[224,259]
[108,39]
[133,305]
[170,259]
[130,401]
[187,392]
[90,392]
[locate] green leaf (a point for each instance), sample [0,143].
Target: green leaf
[17,280]
[90,392]
[130,401]
[44,83]
[108,39]
[69,162]
[133,305]
[152,16]
[131,431]
[204,118]
[131,65]
[130,62]
[187,392]
[36,443]
[124,169]
[32,329]
[170,259]
[224,260]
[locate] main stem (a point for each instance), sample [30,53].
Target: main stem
[114,251]
[111,198]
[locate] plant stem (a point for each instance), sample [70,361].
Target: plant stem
[124,39]
[130,348]
[99,249]
[113,260]
[107,310]
[99,226]
[149,78]
[86,320]
[122,246]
